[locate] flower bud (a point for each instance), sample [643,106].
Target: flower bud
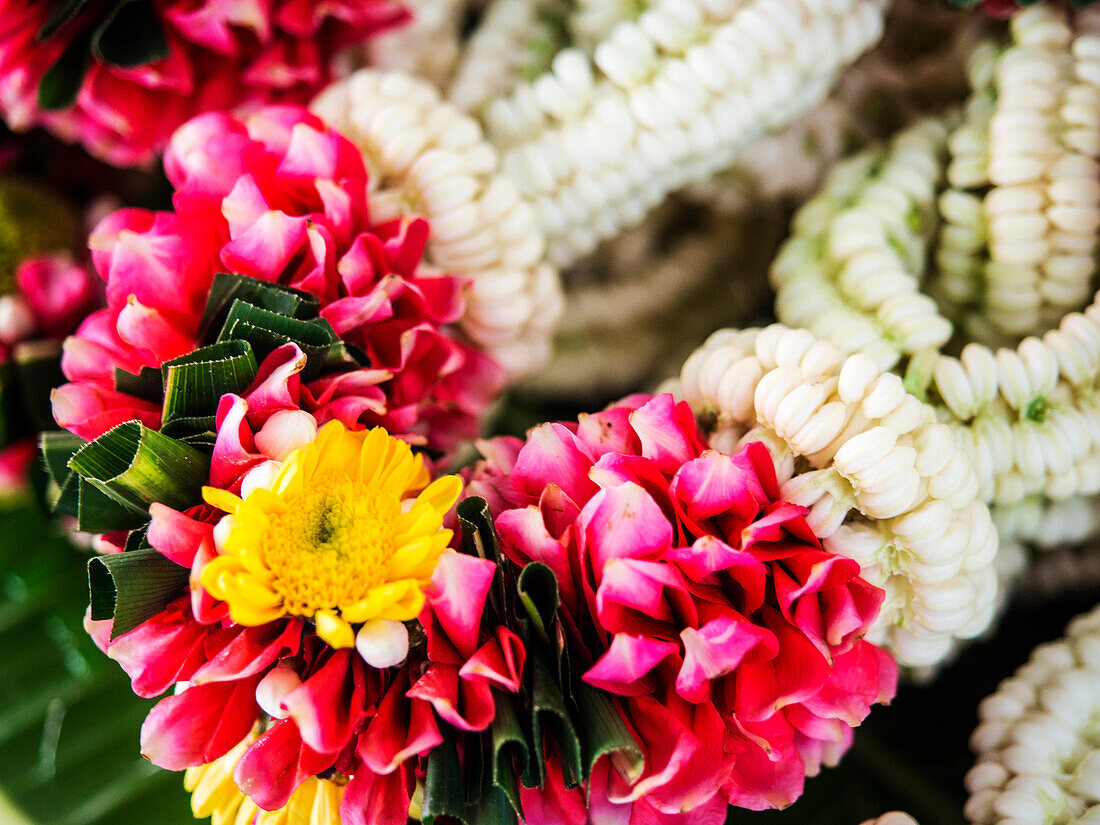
[382,643]
[262,476]
[285,432]
[279,683]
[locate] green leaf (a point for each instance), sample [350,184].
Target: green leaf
[603,733]
[443,782]
[136,466]
[510,751]
[64,499]
[266,331]
[133,587]
[551,720]
[195,383]
[62,12]
[38,367]
[60,84]
[277,298]
[537,587]
[97,512]
[130,36]
[57,448]
[494,808]
[479,537]
[148,384]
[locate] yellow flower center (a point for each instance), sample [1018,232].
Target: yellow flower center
[332,547]
[348,530]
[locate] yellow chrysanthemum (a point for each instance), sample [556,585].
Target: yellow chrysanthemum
[215,794]
[349,530]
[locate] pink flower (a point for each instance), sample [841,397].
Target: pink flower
[221,55]
[281,198]
[324,709]
[701,600]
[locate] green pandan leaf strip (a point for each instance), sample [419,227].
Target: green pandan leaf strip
[479,536]
[282,300]
[550,719]
[133,587]
[510,751]
[444,794]
[38,367]
[537,587]
[62,12]
[61,83]
[130,35]
[98,512]
[64,500]
[603,733]
[147,384]
[136,466]
[195,383]
[58,447]
[266,331]
[494,808]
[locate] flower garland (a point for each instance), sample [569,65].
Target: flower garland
[1025,415]
[1038,755]
[885,483]
[119,78]
[428,158]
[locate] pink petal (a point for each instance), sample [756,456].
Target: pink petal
[715,649]
[624,669]
[328,705]
[667,432]
[399,730]
[553,455]
[460,585]
[498,662]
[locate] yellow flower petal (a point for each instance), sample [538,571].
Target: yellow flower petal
[222,499]
[334,629]
[442,493]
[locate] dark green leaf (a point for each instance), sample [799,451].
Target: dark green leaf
[58,447]
[266,331]
[494,808]
[147,384]
[550,720]
[62,12]
[443,782]
[195,383]
[64,499]
[136,539]
[274,297]
[510,750]
[97,512]
[479,537]
[537,587]
[137,466]
[38,365]
[62,81]
[133,587]
[130,35]
[603,733]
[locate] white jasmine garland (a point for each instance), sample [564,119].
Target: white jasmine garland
[665,100]
[1037,742]
[427,46]
[851,272]
[885,483]
[428,158]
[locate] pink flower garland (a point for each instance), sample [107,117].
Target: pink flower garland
[700,599]
[222,55]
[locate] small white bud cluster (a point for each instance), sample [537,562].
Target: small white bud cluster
[427,46]
[885,483]
[427,158]
[1038,742]
[892,818]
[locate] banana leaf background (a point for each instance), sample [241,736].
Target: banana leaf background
[69,723]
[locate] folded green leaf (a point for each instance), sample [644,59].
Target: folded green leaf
[266,331]
[98,512]
[603,733]
[136,466]
[510,751]
[479,537]
[493,808]
[195,383]
[60,84]
[38,367]
[148,384]
[537,587]
[550,720]
[133,587]
[276,298]
[444,794]
[58,447]
[130,35]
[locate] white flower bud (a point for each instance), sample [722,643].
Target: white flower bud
[285,432]
[16,319]
[279,683]
[262,476]
[222,530]
[382,643]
